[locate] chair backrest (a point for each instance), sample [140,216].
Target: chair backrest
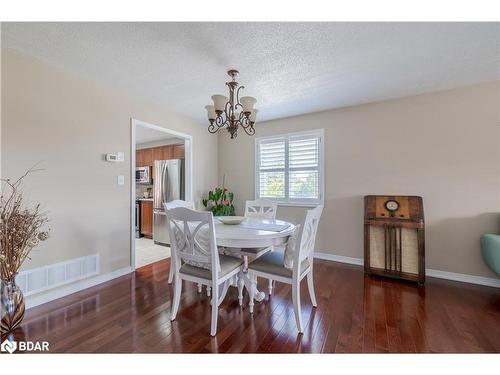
[178,203]
[261,208]
[307,237]
[192,238]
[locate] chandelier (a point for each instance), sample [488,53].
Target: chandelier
[233,112]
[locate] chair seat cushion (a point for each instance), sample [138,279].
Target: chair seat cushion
[227,264]
[273,263]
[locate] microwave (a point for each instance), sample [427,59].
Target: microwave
[143,175]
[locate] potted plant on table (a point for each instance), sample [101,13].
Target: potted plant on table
[220,201]
[21,229]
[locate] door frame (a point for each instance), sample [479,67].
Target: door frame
[188,164]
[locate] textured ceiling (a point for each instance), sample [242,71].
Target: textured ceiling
[291,68]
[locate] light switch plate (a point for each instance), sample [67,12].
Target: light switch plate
[120,180]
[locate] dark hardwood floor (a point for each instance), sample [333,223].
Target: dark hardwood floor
[355,314]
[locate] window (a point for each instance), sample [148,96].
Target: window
[289,168]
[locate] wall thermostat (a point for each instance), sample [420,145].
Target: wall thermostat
[119,156]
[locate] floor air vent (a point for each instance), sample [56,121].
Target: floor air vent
[44,278]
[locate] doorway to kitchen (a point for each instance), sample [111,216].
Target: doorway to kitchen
[161,162]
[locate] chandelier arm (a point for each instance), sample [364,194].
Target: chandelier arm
[219,121]
[242,117]
[238,104]
[244,122]
[213,129]
[249,129]
[226,111]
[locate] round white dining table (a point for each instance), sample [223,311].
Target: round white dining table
[252,233]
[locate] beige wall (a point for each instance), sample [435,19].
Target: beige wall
[442,146]
[67,123]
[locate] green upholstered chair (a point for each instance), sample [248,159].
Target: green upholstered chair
[490,245]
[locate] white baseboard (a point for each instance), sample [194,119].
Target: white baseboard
[471,279]
[48,296]
[339,258]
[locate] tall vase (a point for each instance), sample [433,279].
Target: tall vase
[11,306]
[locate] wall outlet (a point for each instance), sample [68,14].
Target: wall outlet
[120,180]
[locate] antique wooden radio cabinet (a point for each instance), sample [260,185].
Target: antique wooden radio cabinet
[395,237]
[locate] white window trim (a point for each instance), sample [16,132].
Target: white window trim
[321,168]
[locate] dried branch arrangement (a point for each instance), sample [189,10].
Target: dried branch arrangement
[21,227]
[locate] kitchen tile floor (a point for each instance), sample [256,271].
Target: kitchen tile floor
[147,252]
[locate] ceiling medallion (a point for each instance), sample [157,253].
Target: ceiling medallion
[224,113]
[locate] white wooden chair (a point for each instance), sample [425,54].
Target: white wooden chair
[271,266]
[178,203]
[262,209]
[197,258]
[169,206]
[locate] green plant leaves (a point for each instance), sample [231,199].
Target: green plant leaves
[220,202]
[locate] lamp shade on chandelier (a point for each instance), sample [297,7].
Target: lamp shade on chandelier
[233,112]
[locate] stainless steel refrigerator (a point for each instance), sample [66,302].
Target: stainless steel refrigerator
[168,185]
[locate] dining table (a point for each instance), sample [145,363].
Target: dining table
[251,233]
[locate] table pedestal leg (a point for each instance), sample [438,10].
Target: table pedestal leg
[250,284]
[241,284]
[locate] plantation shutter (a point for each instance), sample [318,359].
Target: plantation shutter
[303,156]
[271,168]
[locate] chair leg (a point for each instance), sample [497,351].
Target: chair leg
[171,272]
[215,310]
[199,287]
[177,296]
[241,284]
[310,286]
[208,291]
[296,305]
[270,286]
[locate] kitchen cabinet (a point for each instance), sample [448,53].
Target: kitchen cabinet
[178,152]
[144,157]
[162,153]
[147,218]
[139,158]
